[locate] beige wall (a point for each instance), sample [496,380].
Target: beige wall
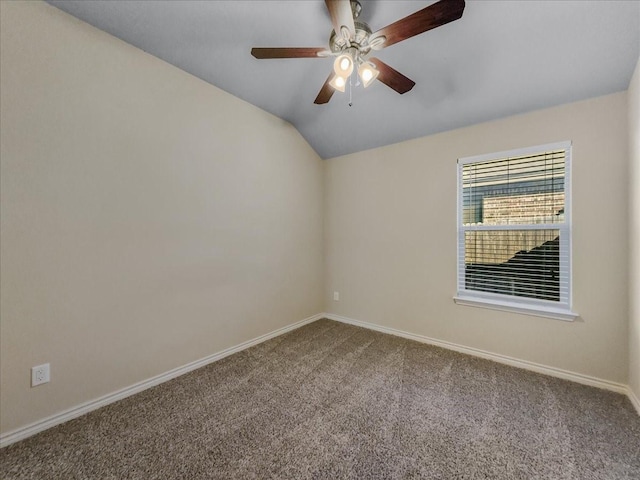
[390,239]
[634,232]
[149,219]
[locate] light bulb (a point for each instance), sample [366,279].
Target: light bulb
[343,66]
[368,73]
[338,83]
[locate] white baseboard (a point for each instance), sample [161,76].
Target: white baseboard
[514,362]
[634,399]
[79,410]
[74,412]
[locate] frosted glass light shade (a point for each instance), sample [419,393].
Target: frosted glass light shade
[338,83]
[343,65]
[368,73]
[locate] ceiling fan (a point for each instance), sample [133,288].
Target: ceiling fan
[352,42]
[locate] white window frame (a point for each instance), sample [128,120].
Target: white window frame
[560,310]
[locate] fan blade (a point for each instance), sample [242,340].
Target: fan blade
[341,16]
[325,92]
[294,52]
[433,16]
[392,78]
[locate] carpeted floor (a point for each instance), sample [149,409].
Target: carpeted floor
[335,401]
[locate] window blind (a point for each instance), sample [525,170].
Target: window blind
[513,226]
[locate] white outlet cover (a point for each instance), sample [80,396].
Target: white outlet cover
[40,374]
[336,296]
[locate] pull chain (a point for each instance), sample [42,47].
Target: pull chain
[350,89]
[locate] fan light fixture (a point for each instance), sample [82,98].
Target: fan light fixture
[343,68]
[338,83]
[343,65]
[368,73]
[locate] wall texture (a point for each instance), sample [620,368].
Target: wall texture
[390,239]
[634,232]
[148,218]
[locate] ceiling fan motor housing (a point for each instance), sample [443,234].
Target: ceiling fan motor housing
[359,42]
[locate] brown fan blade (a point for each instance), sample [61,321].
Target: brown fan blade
[341,15]
[294,52]
[433,16]
[392,78]
[325,92]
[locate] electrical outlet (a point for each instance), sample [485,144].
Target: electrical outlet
[336,296]
[40,375]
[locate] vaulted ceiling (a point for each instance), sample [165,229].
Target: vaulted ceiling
[501,58]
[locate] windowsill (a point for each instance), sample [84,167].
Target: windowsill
[505,306]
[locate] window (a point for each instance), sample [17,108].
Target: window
[514,231]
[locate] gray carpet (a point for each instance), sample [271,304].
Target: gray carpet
[335,401]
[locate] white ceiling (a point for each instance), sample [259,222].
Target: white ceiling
[501,58]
